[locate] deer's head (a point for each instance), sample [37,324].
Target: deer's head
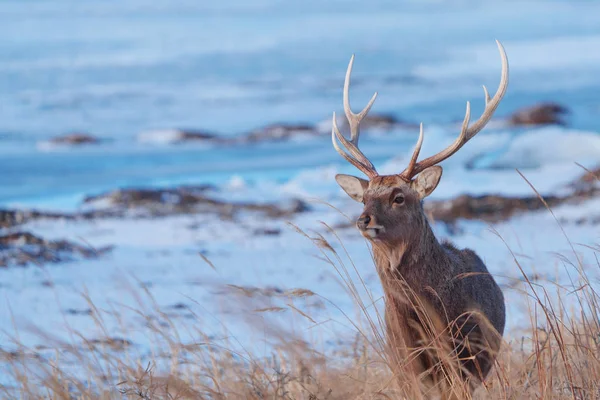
[392,203]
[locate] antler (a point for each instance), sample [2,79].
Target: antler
[356,157]
[466,132]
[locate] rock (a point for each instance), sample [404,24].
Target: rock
[19,239]
[177,136]
[20,355]
[186,200]
[380,122]
[146,197]
[11,218]
[74,311]
[589,177]
[267,232]
[270,133]
[24,248]
[587,185]
[298,206]
[179,306]
[495,208]
[196,135]
[489,208]
[278,132]
[155,202]
[372,122]
[75,139]
[539,114]
[113,343]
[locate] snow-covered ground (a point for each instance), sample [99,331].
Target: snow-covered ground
[120,69]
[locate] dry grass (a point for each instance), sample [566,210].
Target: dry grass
[557,358]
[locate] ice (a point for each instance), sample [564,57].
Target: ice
[549,146]
[160,136]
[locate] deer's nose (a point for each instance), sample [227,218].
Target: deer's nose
[363,222]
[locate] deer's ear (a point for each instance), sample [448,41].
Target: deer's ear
[352,185]
[427,181]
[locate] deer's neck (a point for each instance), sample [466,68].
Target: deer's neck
[413,276]
[413,254]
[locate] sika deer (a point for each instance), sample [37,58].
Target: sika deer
[444,312]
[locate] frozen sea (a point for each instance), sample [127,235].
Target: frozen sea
[119,69]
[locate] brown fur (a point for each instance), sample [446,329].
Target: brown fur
[436,295]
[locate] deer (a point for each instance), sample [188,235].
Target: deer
[444,313]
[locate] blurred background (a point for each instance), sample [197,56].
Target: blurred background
[130,73]
[144,133]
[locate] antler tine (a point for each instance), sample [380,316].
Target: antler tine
[467,132]
[354,119]
[415,156]
[356,157]
[368,168]
[492,104]
[487,95]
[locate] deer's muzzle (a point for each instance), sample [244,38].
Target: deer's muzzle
[368,227]
[363,222]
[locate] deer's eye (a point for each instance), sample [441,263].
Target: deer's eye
[399,199]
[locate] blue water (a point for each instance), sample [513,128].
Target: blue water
[118,68]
